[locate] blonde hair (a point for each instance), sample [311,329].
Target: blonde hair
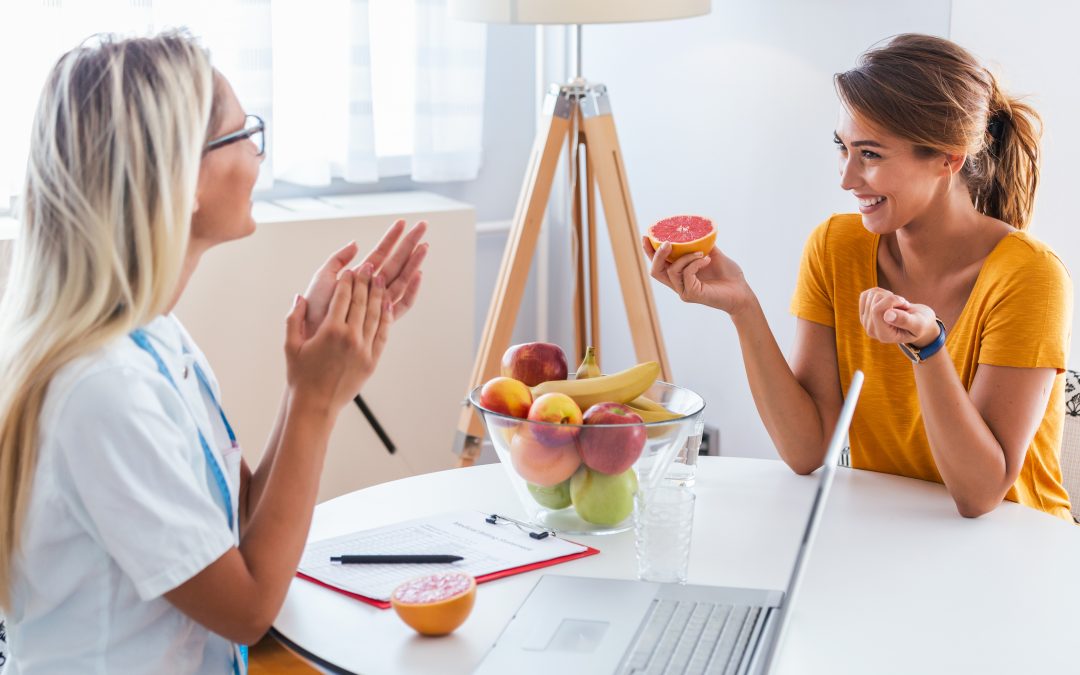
[104,224]
[935,94]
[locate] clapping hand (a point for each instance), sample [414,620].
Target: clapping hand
[396,258]
[326,368]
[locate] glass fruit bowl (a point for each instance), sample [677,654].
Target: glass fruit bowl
[581,478]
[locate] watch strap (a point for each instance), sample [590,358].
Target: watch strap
[920,354]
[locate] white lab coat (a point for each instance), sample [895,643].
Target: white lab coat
[123,509]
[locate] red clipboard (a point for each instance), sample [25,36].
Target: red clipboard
[382,604]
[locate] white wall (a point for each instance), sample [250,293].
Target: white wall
[1031,46]
[731,115]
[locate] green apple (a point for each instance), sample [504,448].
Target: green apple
[603,499]
[554,497]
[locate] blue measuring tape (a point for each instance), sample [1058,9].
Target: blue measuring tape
[139,337]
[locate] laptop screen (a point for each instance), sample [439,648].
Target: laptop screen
[828,472]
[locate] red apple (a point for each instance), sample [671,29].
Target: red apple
[557,409]
[534,362]
[507,396]
[540,463]
[611,450]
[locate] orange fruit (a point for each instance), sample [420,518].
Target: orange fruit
[435,604]
[687,234]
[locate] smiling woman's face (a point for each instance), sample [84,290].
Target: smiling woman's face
[893,182]
[227,177]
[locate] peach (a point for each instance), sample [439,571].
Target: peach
[507,396]
[542,464]
[556,409]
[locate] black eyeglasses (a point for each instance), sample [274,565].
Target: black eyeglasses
[254,128]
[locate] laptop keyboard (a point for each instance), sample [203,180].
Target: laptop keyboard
[688,638]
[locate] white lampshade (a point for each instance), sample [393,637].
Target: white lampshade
[575,11]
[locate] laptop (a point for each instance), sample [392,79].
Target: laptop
[570,625]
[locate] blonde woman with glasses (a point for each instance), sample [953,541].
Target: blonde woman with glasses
[133,537]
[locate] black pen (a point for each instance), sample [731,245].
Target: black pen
[394,558]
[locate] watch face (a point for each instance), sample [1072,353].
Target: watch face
[909,352]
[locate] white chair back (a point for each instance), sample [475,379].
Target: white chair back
[1070,441]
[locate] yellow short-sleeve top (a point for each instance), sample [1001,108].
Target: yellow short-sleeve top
[1019,314]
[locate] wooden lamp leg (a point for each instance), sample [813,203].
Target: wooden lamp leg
[606,158]
[594,272]
[605,174]
[514,272]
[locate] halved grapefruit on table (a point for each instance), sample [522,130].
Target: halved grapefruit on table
[687,234]
[435,604]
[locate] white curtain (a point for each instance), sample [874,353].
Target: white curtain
[449,120]
[34,33]
[322,92]
[305,67]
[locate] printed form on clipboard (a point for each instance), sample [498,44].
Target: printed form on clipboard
[490,551]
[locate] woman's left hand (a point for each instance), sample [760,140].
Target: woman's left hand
[398,262]
[889,318]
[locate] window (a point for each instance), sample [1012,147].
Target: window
[336,80]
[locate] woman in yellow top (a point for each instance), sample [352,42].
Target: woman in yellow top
[944,166]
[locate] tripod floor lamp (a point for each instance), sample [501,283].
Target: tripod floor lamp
[578,114]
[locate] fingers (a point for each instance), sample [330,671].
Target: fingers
[375,301]
[408,298]
[901,319]
[646,246]
[294,325]
[361,281]
[391,260]
[675,270]
[394,266]
[397,288]
[339,302]
[383,332]
[696,266]
[338,260]
[889,317]
[659,267]
[382,250]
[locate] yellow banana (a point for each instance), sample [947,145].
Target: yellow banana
[589,366]
[644,403]
[653,415]
[618,387]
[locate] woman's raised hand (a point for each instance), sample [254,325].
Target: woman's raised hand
[331,365]
[714,279]
[397,258]
[889,318]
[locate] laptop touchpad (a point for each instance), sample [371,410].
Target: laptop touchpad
[579,636]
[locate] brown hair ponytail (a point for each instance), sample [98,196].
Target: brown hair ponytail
[1004,176]
[937,95]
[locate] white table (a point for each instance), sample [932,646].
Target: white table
[897,582]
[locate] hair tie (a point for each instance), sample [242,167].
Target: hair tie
[996,128]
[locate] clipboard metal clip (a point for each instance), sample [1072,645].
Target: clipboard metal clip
[533,531]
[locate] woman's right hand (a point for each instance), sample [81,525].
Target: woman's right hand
[398,258]
[330,366]
[714,280]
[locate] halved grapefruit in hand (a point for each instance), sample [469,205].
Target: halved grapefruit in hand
[435,604]
[687,234]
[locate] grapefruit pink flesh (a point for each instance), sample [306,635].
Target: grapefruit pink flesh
[687,234]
